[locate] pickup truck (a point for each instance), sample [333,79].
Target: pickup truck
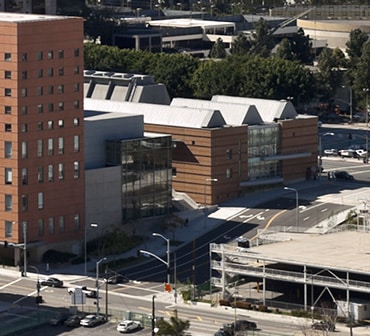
[90,293]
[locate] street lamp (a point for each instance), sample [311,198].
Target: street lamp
[85,243]
[97,284]
[168,254]
[205,200]
[320,149]
[25,249]
[366,90]
[153,316]
[296,204]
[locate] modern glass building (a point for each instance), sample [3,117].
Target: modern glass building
[146,175]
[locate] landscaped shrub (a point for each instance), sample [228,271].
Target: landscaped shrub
[223,302]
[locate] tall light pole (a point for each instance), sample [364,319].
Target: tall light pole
[153,316]
[97,284]
[25,249]
[85,243]
[168,255]
[350,102]
[205,199]
[366,90]
[296,205]
[320,150]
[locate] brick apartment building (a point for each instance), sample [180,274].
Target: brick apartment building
[41,145]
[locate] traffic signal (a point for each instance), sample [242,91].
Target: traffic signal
[167,287]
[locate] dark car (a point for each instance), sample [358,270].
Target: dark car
[343,175]
[117,278]
[58,319]
[52,282]
[323,325]
[73,321]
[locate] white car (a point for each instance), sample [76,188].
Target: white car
[92,320]
[330,152]
[361,153]
[91,293]
[128,326]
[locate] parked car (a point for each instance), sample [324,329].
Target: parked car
[361,153]
[228,329]
[347,153]
[343,175]
[331,152]
[90,293]
[52,282]
[128,326]
[58,319]
[117,278]
[323,325]
[92,320]
[73,321]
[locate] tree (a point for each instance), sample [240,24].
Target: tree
[262,41]
[175,327]
[218,49]
[357,39]
[241,45]
[285,51]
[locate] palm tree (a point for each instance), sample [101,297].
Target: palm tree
[175,327]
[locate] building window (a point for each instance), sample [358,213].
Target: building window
[24,176]
[50,55]
[7,57]
[8,109]
[8,149]
[76,169]
[51,225]
[76,104]
[76,70]
[50,146]
[51,107]
[76,143]
[40,73]
[40,174]
[8,74]
[24,128]
[50,72]
[76,221]
[8,176]
[40,225]
[229,173]
[24,57]
[76,122]
[61,123]
[8,127]
[24,92]
[61,71]
[61,53]
[61,106]
[40,148]
[229,154]
[24,75]
[50,124]
[24,110]
[50,173]
[76,52]
[62,227]
[8,229]
[24,146]
[8,92]
[51,89]
[40,56]
[61,88]
[61,171]
[40,108]
[40,200]
[24,203]
[8,202]
[76,87]
[40,125]
[40,91]
[174,171]
[60,145]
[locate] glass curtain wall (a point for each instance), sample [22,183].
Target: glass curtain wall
[263,141]
[146,175]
